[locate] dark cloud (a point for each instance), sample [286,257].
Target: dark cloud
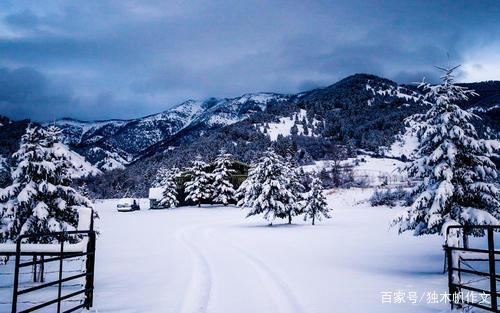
[25,92]
[416,77]
[131,58]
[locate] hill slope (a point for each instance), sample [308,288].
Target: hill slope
[361,111]
[115,143]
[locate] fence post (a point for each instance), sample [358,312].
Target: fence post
[90,265]
[451,290]
[42,268]
[34,268]
[493,281]
[59,289]
[16,275]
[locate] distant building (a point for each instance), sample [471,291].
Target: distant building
[155,196]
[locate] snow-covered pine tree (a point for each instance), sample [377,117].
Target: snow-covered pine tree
[222,188]
[267,189]
[458,179]
[40,198]
[169,199]
[84,190]
[161,175]
[164,173]
[315,202]
[199,187]
[294,130]
[294,176]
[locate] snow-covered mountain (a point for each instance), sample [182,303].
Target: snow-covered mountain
[361,111]
[383,88]
[10,134]
[113,144]
[223,112]
[296,125]
[81,167]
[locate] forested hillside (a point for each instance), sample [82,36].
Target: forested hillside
[361,112]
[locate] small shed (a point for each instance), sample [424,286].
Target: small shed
[155,196]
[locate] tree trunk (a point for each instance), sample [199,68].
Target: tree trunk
[199,204]
[289,217]
[313,220]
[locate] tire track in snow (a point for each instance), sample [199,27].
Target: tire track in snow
[278,290]
[198,291]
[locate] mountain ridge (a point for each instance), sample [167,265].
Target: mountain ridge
[361,111]
[98,140]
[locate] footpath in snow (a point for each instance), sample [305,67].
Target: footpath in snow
[212,259]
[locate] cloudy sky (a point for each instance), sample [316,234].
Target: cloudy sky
[99,59]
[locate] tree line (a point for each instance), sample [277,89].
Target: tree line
[275,187]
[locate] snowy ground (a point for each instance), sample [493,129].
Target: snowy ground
[368,170]
[212,259]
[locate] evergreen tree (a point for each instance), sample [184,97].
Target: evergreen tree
[315,202]
[306,131]
[294,176]
[325,175]
[83,189]
[40,198]
[294,130]
[267,189]
[169,186]
[305,180]
[164,175]
[222,189]
[199,187]
[161,175]
[52,135]
[458,180]
[4,173]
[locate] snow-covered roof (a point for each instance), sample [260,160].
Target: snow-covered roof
[155,193]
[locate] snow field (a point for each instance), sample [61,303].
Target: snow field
[370,170]
[285,125]
[212,259]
